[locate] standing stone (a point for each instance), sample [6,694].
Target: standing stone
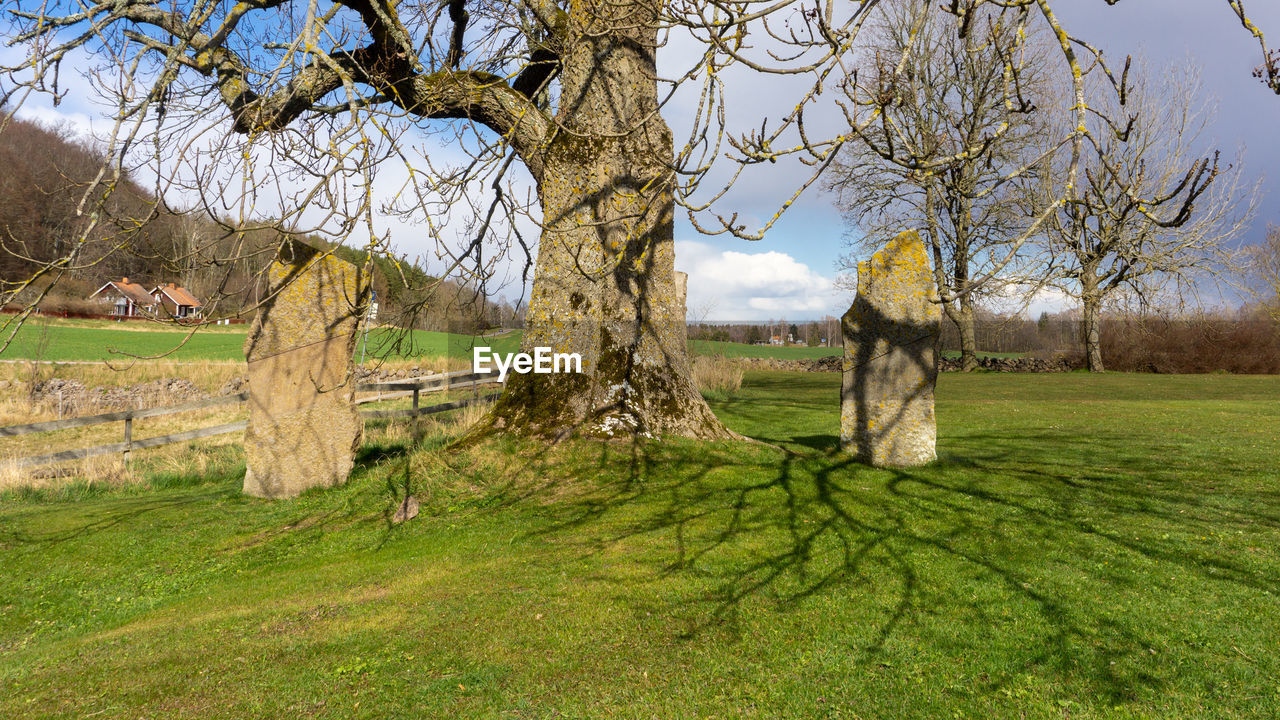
[890,358]
[303,429]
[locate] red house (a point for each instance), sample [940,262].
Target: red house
[125,298]
[175,301]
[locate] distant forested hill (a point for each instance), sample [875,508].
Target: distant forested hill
[46,174]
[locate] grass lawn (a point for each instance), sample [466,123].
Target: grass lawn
[1086,547]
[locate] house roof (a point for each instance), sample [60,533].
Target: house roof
[132,291]
[177,294]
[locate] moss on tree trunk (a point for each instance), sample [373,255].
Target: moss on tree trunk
[605,285]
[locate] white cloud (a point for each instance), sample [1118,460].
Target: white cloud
[1047,299]
[732,285]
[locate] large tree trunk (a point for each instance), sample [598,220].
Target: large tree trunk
[605,285]
[1092,302]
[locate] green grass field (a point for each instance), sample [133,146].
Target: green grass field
[98,340]
[732,349]
[1086,547]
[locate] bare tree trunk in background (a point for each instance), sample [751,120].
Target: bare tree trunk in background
[1092,302]
[960,313]
[968,337]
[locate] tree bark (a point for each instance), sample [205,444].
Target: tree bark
[605,285]
[968,338]
[1092,302]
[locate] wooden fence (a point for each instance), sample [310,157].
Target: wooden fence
[394,389]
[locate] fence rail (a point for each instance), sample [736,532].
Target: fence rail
[398,389]
[125,415]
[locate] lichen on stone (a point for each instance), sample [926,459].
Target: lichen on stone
[890,366]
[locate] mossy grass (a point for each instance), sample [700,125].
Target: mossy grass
[1086,547]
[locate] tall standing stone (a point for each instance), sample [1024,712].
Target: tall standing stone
[303,429]
[890,358]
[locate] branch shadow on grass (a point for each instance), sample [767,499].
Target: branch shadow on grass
[746,529]
[120,512]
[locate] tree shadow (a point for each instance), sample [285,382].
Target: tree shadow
[825,443]
[104,519]
[371,455]
[781,528]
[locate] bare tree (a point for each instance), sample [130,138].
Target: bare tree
[960,133]
[496,119]
[1153,214]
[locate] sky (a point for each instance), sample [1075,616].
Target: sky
[790,273]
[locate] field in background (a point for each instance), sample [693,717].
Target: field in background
[103,340]
[777,352]
[1086,547]
[99,340]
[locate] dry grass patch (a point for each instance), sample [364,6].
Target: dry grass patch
[193,461]
[17,409]
[426,428]
[11,476]
[197,458]
[465,418]
[208,375]
[98,471]
[716,376]
[113,432]
[211,378]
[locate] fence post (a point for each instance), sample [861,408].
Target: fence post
[128,439]
[415,399]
